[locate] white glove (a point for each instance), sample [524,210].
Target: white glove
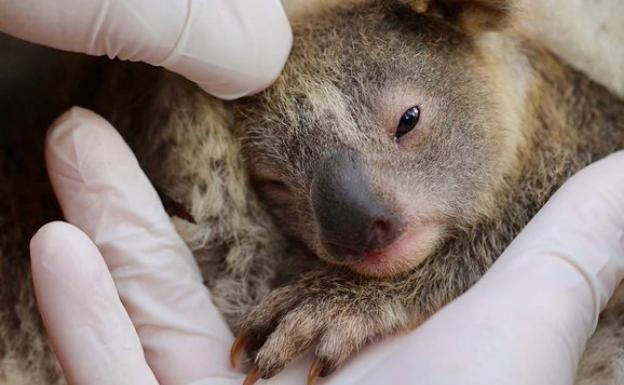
[231,48]
[104,193]
[525,322]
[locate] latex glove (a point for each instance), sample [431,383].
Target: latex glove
[231,48]
[525,322]
[104,193]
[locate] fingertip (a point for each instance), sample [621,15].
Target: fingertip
[90,166]
[77,146]
[74,114]
[240,53]
[89,329]
[61,252]
[273,60]
[273,42]
[72,120]
[80,132]
[49,241]
[49,236]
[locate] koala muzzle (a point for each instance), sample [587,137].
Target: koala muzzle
[352,219]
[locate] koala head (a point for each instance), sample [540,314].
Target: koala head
[393,125]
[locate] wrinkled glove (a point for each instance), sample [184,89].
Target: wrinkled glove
[231,48]
[123,301]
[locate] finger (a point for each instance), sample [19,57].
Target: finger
[102,190]
[90,331]
[231,48]
[129,30]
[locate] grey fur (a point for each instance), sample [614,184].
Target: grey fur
[344,56]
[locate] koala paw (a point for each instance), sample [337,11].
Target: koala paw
[333,313]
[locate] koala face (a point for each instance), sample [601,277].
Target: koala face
[384,134]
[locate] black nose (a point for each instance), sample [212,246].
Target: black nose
[352,219]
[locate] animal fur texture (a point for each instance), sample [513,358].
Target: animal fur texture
[184,141]
[508,123]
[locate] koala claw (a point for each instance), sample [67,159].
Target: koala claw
[315,370]
[328,311]
[238,346]
[252,377]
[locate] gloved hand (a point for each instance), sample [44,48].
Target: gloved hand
[525,322]
[231,48]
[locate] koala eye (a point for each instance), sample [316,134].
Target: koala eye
[408,121]
[271,188]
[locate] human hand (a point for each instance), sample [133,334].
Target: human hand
[103,192]
[230,48]
[525,322]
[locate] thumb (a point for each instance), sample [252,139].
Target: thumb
[231,48]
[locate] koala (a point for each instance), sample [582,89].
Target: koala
[403,147]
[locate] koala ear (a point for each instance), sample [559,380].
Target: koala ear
[470,15]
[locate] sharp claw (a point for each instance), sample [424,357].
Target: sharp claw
[237,347]
[174,208]
[315,370]
[252,377]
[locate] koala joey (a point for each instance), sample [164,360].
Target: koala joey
[405,144]
[403,147]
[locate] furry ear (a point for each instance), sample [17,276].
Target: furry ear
[470,15]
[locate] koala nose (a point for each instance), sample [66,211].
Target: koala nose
[370,237]
[353,221]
